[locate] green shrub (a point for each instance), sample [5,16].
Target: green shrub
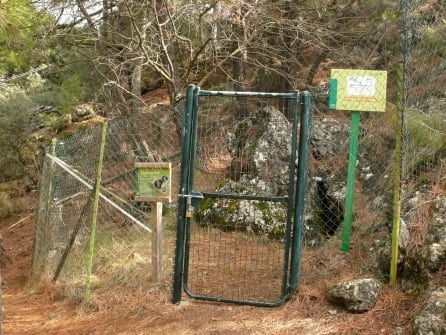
[7,205]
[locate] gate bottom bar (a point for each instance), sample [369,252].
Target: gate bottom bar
[281,300]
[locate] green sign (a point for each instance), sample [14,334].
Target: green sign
[153,182]
[357,90]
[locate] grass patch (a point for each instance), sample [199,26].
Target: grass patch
[427,141]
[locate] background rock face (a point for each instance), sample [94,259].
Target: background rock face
[431,319]
[260,149]
[359,295]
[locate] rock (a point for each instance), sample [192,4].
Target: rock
[404,240]
[431,318]
[421,263]
[260,150]
[358,295]
[259,217]
[42,117]
[82,113]
[436,256]
[399,331]
[327,136]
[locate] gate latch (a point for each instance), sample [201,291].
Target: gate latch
[193,203]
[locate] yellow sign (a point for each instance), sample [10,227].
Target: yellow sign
[153,182]
[357,90]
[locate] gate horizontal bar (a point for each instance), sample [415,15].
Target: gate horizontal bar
[291,95]
[244,197]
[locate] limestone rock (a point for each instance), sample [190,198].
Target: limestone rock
[431,318]
[83,112]
[260,150]
[358,295]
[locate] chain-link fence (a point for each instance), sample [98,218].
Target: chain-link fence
[401,152]
[65,212]
[424,80]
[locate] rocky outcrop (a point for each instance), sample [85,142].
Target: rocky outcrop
[260,149]
[431,318]
[358,295]
[421,263]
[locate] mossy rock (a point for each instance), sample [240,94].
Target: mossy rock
[254,216]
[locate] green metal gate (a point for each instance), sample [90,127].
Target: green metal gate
[240,209]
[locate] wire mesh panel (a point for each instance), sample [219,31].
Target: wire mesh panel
[235,265]
[69,174]
[239,196]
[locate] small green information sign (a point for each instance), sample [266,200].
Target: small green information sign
[153,182]
[357,90]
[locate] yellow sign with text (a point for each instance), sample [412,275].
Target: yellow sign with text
[357,90]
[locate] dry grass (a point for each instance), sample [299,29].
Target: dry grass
[421,214]
[7,205]
[125,299]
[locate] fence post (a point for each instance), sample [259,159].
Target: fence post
[157,233]
[184,189]
[349,194]
[302,167]
[95,213]
[47,217]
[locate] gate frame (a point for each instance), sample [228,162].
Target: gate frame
[293,235]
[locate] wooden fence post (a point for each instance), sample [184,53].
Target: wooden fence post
[157,233]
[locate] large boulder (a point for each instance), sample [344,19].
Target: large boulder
[421,263]
[260,150]
[260,158]
[431,318]
[259,217]
[358,295]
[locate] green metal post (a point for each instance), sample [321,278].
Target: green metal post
[353,153]
[182,201]
[97,188]
[190,180]
[304,143]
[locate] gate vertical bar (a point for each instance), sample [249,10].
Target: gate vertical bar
[291,191]
[190,180]
[179,248]
[304,141]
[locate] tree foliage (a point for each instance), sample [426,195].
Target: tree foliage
[22,29]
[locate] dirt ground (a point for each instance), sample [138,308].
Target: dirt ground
[38,308]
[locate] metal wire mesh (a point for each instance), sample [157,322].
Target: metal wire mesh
[237,243]
[66,193]
[424,79]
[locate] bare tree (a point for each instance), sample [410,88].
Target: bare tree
[182,41]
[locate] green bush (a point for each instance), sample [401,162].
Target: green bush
[7,205]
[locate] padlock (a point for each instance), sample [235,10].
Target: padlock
[190,208]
